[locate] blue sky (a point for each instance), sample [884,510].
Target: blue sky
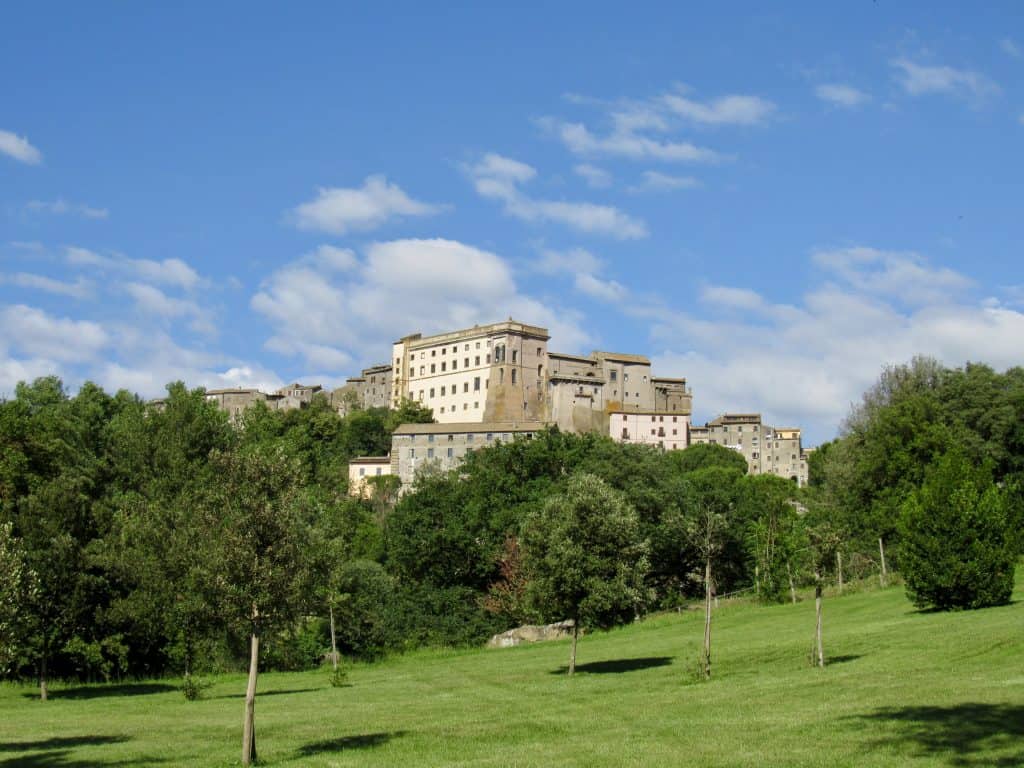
[773,201]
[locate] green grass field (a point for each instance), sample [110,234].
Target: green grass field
[903,688]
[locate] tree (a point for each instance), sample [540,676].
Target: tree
[257,518]
[958,551]
[585,557]
[824,543]
[708,503]
[18,586]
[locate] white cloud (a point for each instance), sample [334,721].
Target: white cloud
[1010,48]
[174,272]
[727,110]
[498,178]
[596,288]
[625,143]
[919,79]
[597,178]
[806,363]
[398,287]
[61,207]
[906,277]
[80,289]
[339,210]
[19,148]
[655,181]
[841,95]
[152,301]
[41,336]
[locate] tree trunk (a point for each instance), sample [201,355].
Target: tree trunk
[42,678]
[707,620]
[575,637]
[334,642]
[817,631]
[757,581]
[881,552]
[249,724]
[792,589]
[839,570]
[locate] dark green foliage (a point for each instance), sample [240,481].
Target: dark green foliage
[585,556]
[957,550]
[705,455]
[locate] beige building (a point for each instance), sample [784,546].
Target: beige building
[361,469]
[485,373]
[236,400]
[370,389]
[504,372]
[668,430]
[419,448]
[775,450]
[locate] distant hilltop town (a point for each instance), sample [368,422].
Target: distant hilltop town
[495,382]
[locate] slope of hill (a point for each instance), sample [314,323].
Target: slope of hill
[902,688]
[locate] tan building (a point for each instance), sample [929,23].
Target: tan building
[485,373]
[665,429]
[236,400]
[418,448]
[370,389]
[775,450]
[361,469]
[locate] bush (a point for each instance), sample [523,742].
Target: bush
[957,549]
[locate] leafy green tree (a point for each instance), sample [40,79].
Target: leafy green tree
[259,521]
[705,455]
[957,549]
[18,586]
[586,558]
[773,534]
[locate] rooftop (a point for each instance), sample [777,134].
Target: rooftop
[418,340]
[476,427]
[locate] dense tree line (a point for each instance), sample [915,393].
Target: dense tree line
[138,540]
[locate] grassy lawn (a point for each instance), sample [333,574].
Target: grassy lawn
[903,688]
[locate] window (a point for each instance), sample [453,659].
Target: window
[488,359]
[514,353]
[443,366]
[421,395]
[501,375]
[443,350]
[433,368]
[362,471]
[476,406]
[625,433]
[625,377]
[476,360]
[378,471]
[476,383]
[614,375]
[653,431]
[513,371]
[455,365]
[430,453]
[442,391]
[467,348]
[451,438]
[490,436]
[430,438]
[540,371]
[465,363]
[675,432]
[469,438]
[465,406]
[442,409]
[478,345]
[540,351]
[433,353]
[739,428]
[431,391]
[412,453]
[673,419]
[451,452]
[465,386]
[455,349]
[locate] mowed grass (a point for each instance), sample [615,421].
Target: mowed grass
[903,688]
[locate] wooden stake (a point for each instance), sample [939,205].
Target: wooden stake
[817,608]
[839,569]
[249,724]
[707,619]
[881,551]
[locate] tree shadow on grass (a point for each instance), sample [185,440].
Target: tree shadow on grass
[617,666]
[829,660]
[344,743]
[56,752]
[963,734]
[261,694]
[100,691]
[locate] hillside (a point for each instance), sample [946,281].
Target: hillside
[903,688]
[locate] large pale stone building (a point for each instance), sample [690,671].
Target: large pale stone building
[504,372]
[775,450]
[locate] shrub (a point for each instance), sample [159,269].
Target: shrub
[957,549]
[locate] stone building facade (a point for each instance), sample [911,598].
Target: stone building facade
[664,429]
[236,400]
[768,450]
[361,469]
[370,389]
[419,448]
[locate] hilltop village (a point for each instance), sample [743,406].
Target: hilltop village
[500,381]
